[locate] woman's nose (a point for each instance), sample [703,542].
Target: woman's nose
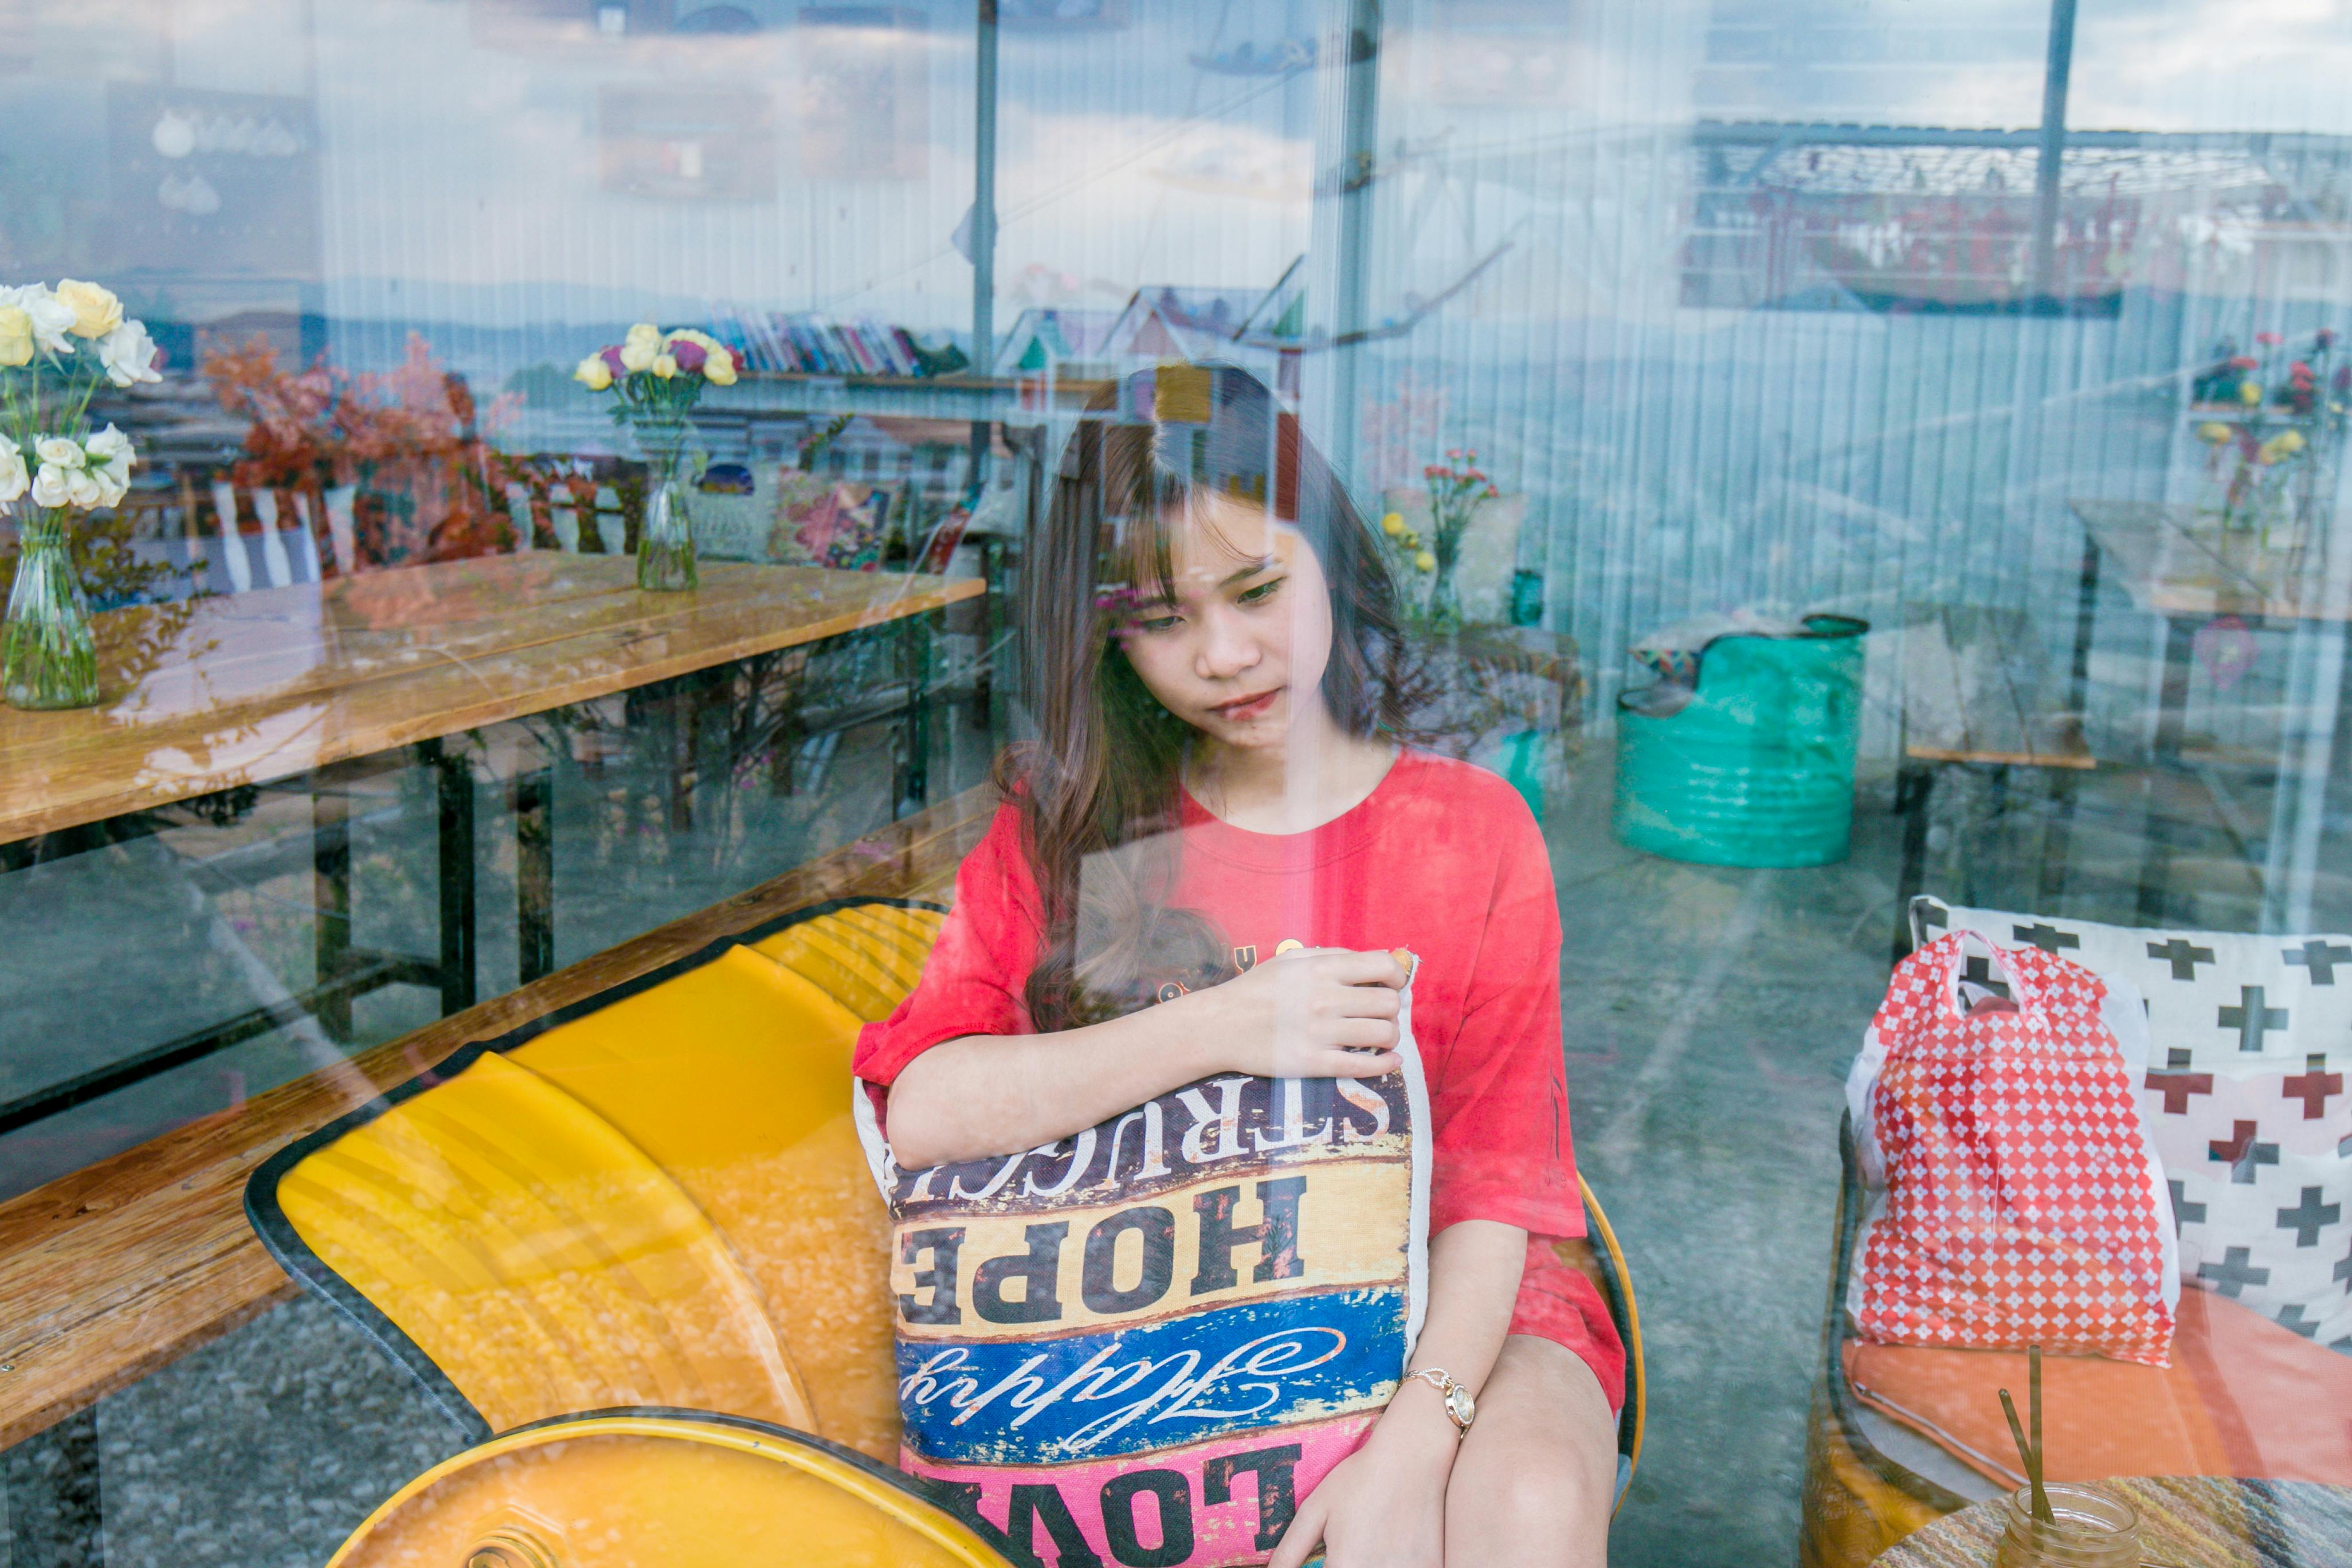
[1226,648]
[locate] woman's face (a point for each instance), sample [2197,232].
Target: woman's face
[1240,649]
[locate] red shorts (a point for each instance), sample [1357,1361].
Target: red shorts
[1559,1304]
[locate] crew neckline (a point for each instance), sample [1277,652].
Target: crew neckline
[1349,833]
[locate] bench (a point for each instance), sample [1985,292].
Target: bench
[120,1268]
[1976,694]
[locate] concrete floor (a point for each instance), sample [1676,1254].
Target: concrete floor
[1709,1015]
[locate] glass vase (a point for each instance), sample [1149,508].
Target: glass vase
[47,650]
[665,538]
[2093,1528]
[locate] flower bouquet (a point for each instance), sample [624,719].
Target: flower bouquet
[655,379]
[2273,430]
[1457,489]
[57,347]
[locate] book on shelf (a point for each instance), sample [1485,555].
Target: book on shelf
[808,343]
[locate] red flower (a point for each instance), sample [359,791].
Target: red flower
[2269,340]
[2243,361]
[612,358]
[690,354]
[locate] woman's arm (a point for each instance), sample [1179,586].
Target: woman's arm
[1324,1012]
[1385,1503]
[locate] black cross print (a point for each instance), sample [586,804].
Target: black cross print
[1977,970]
[2183,1211]
[2314,1086]
[2343,1271]
[2183,957]
[2290,1316]
[2251,1018]
[2321,959]
[2233,1273]
[2048,939]
[2309,1217]
[2242,1154]
[2177,1086]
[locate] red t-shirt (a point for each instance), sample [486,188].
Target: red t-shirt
[1442,858]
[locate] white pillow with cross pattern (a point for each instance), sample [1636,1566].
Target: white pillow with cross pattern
[2251,1051]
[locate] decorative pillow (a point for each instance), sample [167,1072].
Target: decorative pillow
[1144,1345]
[2250,1043]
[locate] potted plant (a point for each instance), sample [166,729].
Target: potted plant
[655,380]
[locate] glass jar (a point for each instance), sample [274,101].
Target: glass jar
[47,650]
[666,539]
[2095,1529]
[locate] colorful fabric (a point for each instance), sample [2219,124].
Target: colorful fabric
[1144,1343]
[2245,1093]
[2017,1199]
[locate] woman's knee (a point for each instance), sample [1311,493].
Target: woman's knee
[1537,1476]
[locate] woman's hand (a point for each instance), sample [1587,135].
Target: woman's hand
[1383,1506]
[1322,1012]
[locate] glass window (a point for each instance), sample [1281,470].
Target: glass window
[1102,781]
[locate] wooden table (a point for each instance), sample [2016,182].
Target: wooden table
[206,695]
[2187,1521]
[2173,563]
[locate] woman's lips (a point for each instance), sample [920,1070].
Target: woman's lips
[1246,707]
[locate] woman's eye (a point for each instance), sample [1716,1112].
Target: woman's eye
[1260,593]
[1157,623]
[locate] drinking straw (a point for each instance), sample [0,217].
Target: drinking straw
[2033,1400]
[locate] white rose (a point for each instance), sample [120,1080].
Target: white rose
[641,347]
[84,488]
[52,320]
[14,480]
[49,486]
[129,354]
[110,456]
[58,452]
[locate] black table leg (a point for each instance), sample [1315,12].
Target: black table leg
[331,882]
[2087,620]
[2057,840]
[533,797]
[2171,718]
[915,656]
[456,790]
[1913,784]
[55,1517]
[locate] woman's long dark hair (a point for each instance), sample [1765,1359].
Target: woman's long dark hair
[1099,790]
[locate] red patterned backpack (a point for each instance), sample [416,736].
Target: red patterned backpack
[2016,1198]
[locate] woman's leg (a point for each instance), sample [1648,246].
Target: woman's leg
[1538,1472]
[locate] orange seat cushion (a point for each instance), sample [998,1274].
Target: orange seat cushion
[2243,1397]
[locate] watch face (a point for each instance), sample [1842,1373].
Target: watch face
[1460,1405]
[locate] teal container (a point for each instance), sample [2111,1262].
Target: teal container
[1753,766]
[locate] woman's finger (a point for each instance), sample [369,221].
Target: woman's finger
[1379,1034]
[1299,1542]
[1367,1002]
[1361,1064]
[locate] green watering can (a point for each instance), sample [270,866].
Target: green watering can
[1753,766]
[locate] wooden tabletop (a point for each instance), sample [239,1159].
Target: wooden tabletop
[204,694]
[2186,1521]
[1976,688]
[122,1267]
[2172,562]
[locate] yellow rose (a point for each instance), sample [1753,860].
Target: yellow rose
[1393,524]
[2289,441]
[1425,561]
[96,311]
[719,368]
[16,335]
[2249,393]
[2213,431]
[641,347]
[593,373]
[663,366]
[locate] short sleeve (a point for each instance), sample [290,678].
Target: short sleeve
[1499,1108]
[972,981]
